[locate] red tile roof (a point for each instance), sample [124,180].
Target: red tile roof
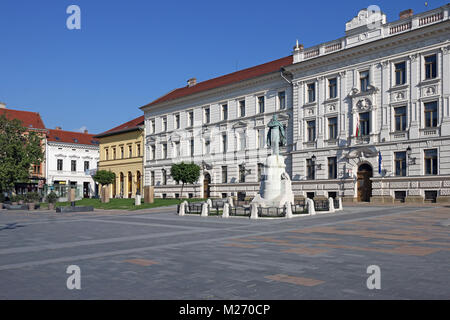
[231,78]
[71,137]
[125,127]
[29,119]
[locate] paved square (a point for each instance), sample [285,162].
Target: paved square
[157,255]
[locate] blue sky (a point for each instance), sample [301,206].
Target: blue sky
[129,53]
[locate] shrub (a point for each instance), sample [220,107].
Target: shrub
[52,197]
[32,197]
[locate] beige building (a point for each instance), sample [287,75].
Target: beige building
[121,152]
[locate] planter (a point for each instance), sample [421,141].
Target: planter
[31,206]
[14,203]
[21,202]
[51,206]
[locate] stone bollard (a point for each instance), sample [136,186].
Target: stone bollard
[182,209]
[226,211]
[137,200]
[186,206]
[340,204]
[230,202]
[209,202]
[311,209]
[254,211]
[205,209]
[288,208]
[331,205]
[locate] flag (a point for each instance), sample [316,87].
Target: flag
[358,130]
[380,159]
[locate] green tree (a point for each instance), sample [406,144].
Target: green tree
[104,177]
[185,173]
[19,150]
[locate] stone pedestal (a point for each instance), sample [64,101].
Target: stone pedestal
[276,187]
[105,194]
[149,194]
[137,200]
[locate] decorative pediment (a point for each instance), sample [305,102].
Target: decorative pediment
[73,156]
[87,157]
[369,18]
[364,104]
[60,155]
[240,124]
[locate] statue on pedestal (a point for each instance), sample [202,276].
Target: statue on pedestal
[276,136]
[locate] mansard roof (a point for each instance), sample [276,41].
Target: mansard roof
[227,79]
[30,120]
[71,137]
[132,125]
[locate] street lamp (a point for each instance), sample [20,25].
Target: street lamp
[411,160]
[318,166]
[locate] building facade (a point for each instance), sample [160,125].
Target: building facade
[71,159]
[367,117]
[32,121]
[122,152]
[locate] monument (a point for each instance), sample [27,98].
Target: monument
[276,187]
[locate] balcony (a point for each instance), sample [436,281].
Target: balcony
[399,135]
[430,132]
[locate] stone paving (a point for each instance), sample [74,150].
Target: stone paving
[155,254]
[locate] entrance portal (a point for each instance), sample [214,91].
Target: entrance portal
[365,172]
[206,187]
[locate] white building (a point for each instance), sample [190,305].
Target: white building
[71,159]
[388,82]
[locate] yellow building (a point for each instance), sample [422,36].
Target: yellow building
[122,152]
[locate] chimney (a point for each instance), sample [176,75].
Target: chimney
[85,131]
[2,105]
[406,14]
[192,82]
[58,128]
[298,46]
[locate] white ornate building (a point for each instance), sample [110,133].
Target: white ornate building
[367,115]
[71,159]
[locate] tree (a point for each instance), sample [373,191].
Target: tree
[104,177]
[185,173]
[19,150]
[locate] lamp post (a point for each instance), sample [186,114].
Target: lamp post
[411,160]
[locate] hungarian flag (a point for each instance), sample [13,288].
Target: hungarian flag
[380,159]
[358,129]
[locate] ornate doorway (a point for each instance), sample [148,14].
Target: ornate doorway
[206,187]
[365,172]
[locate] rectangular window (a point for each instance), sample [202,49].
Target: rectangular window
[73,165]
[261,104]
[311,128]
[177,121]
[37,169]
[191,118]
[86,165]
[225,112]
[138,147]
[164,126]
[224,174]
[311,92]
[242,108]
[153,152]
[121,153]
[282,100]
[241,173]
[364,80]
[164,176]
[431,162]
[261,138]
[153,126]
[192,147]
[332,168]
[400,163]
[152,178]
[364,123]
[207,115]
[430,67]
[332,88]
[224,143]
[310,169]
[332,128]
[400,118]
[114,153]
[106,154]
[431,114]
[177,149]
[59,165]
[242,141]
[400,73]
[164,151]
[207,146]
[130,151]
